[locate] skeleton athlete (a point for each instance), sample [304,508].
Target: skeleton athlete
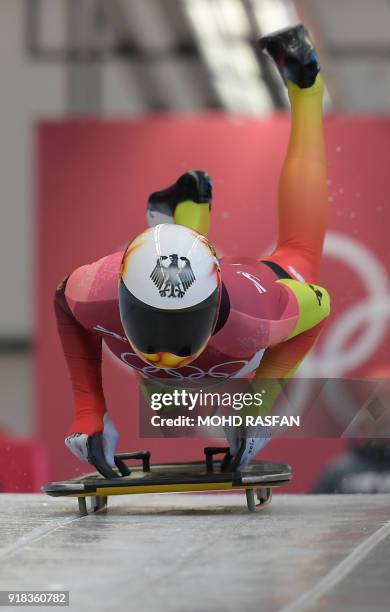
[185,315]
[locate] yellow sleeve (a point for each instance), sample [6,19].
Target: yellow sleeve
[313,302]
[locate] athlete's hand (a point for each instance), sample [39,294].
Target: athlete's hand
[244,444]
[98,449]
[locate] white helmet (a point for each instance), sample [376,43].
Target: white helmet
[169,294]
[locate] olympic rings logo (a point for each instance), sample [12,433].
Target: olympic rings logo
[188,372]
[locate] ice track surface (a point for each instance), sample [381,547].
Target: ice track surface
[193,553]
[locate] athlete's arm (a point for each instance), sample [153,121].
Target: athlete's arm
[83,353]
[92,436]
[278,365]
[313,304]
[281,361]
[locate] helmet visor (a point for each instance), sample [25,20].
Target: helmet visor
[182,332]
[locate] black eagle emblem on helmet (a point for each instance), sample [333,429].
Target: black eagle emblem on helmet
[171,279]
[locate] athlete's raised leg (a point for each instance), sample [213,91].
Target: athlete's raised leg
[303,197]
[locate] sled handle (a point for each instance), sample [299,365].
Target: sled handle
[210,451]
[143,455]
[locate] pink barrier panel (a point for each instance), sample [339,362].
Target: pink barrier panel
[23,464]
[93,182]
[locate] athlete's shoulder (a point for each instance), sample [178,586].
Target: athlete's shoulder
[94,280]
[92,290]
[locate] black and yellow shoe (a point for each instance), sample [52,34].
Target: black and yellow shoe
[294,55]
[187,202]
